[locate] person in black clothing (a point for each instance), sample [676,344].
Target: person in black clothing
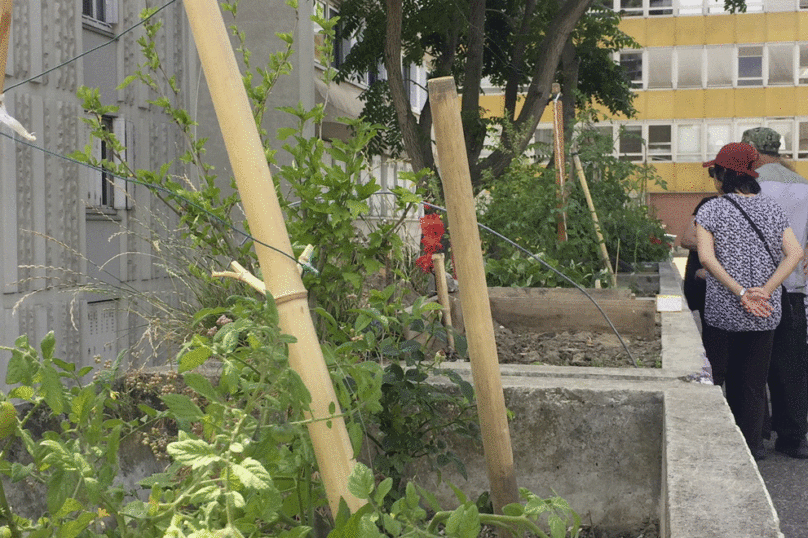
[695,288]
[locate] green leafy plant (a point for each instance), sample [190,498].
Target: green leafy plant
[408,517]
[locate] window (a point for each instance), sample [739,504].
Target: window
[691,7]
[750,66]
[659,68]
[717,137]
[688,143]
[660,7]
[631,62]
[803,142]
[659,142]
[688,70]
[803,74]
[631,7]
[104,190]
[785,129]
[715,6]
[719,66]
[543,145]
[101,14]
[630,143]
[781,64]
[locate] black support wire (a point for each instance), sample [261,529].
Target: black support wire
[556,271]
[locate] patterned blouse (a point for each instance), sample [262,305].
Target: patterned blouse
[740,251]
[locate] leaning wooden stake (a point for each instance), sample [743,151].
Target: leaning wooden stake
[604,254]
[329,435]
[443,296]
[468,258]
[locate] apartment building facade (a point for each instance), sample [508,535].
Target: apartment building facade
[76,242]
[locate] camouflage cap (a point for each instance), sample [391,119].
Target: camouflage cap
[763,139]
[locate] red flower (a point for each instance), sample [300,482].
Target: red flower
[432,230]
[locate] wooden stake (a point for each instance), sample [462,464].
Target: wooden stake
[332,445]
[6,11]
[604,253]
[560,164]
[473,290]
[443,295]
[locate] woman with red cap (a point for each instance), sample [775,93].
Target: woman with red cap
[748,249]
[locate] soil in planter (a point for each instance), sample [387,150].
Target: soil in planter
[575,348]
[650,530]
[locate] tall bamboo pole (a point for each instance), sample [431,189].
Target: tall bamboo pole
[468,258]
[604,254]
[6,10]
[329,435]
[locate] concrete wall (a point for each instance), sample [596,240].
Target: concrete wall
[625,446]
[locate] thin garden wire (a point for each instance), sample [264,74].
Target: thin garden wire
[556,271]
[85,53]
[248,236]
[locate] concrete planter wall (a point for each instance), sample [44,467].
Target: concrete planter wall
[628,446]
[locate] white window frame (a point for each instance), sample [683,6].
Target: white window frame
[763,65]
[101,21]
[101,186]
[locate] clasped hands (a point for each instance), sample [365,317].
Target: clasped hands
[756,302]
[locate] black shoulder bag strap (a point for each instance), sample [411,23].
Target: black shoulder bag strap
[754,227]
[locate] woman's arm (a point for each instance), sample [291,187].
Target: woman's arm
[689,239]
[706,245]
[754,300]
[794,253]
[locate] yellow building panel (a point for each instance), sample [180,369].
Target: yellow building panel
[656,105]
[780,101]
[661,32]
[719,29]
[667,172]
[719,103]
[782,27]
[749,102]
[750,28]
[802,24]
[689,31]
[801,167]
[692,177]
[636,27]
[801,101]
[689,103]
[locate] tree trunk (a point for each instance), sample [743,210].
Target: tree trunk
[392,63]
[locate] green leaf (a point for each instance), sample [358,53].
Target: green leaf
[252,474]
[81,405]
[71,529]
[361,481]
[52,390]
[193,452]
[70,505]
[182,407]
[19,471]
[47,346]
[202,386]
[194,358]
[66,366]
[23,393]
[357,208]
[464,522]
[382,490]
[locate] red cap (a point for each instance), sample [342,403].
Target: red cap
[736,156]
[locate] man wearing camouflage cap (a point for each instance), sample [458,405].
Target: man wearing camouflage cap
[788,373]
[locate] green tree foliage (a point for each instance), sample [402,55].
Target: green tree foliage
[522,46]
[524,207]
